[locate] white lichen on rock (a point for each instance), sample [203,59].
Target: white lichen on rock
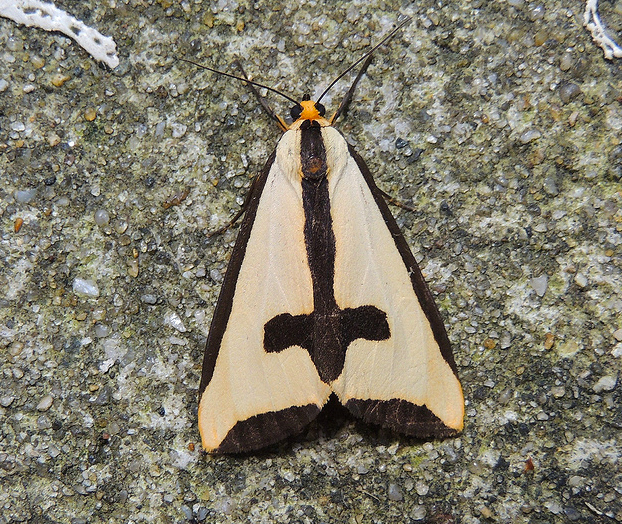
[34,13]
[591,20]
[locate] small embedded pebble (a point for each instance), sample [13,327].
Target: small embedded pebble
[580,279]
[59,79]
[90,114]
[3,85]
[505,396]
[132,269]
[476,467]
[289,476]
[120,226]
[526,509]
[394,493]
[490,343]
[187,511]
[225,505]
[568,92]
[530,135]
[18,126]
[566,62]
[568,348]
[422,488]
[148,298]
[172,319]
[5,402]
[549,340]
[572,514]
[37,61]
[606,383]
[505,341]
[432,454]
[53,139]
[85,287]
[25,196]
[101,330]
[102,217]
[418,512]
[45,403]
[540,285]
[43,422]
[558,391]
[537,12]
[178,130]
[550,186]
[576,481]
[540,227]
[540,37]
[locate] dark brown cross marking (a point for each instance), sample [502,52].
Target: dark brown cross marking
[327,332]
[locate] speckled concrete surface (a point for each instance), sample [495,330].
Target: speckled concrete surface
[499,121]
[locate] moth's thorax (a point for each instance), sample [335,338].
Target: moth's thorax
[312,152]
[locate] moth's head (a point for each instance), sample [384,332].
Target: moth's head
[307,109]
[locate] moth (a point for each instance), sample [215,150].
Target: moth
[322,296]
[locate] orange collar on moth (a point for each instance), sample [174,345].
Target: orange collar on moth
[309,110]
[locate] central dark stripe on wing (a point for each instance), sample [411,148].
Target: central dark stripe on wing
[328,331]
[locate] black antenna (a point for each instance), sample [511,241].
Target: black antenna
[242,79]
[365,56]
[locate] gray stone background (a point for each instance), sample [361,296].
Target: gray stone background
[498,121]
